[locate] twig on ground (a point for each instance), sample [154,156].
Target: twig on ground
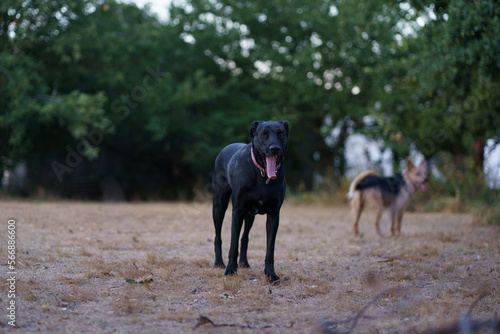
[205,320]
[481,296]
[328,324]
[377,297]
[467,326]
[464,325]
[361,314]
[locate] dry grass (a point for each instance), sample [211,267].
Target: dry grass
[93,267]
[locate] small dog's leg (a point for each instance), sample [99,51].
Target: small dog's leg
[272,224]
[399,222]
[244,241]
[356,231]
[356,208]
[393,216]
[378,215]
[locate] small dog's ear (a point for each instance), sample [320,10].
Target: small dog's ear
[409,164]
[253,128]
[422,163]
[285,125]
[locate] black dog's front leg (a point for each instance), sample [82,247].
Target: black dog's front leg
[249,219]
[237,222]
[220,203]
[272,224]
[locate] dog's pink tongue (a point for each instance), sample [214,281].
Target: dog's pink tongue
[271,167]
[423,187]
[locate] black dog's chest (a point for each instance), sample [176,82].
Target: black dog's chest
[262,204]
[257,208]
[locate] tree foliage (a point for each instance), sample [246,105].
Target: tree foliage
[446,96]
[95,92]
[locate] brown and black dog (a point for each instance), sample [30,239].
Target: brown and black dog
[393,193]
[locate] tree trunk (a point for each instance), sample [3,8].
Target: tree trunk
[339,153]
[326,161]
[478,155]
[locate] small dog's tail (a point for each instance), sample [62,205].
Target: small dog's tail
[357,180]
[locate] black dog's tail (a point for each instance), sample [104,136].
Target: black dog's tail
[357,180]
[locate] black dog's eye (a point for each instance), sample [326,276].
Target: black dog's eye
[264,135]
[281,135]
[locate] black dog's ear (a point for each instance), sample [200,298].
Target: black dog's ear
[253,128]
[285,124]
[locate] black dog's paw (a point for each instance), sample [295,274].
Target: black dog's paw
[244,264]
[272,276]
[230,271]
[219,264]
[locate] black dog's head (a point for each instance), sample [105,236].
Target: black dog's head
[269,141]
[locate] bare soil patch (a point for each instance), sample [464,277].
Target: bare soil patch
[104,268]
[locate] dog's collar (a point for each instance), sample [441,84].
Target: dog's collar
[261,169]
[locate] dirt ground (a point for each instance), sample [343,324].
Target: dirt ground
[130,268]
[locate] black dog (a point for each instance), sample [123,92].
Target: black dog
[255,176]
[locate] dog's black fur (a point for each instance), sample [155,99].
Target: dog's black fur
[388,185]
[252,192]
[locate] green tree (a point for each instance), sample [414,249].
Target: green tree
[93,91]
[31,109]
[444,84]
[76,70]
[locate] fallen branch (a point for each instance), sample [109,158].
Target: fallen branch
[327,324]
[467,326]
[376,298]
[471,308]
[205,320]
